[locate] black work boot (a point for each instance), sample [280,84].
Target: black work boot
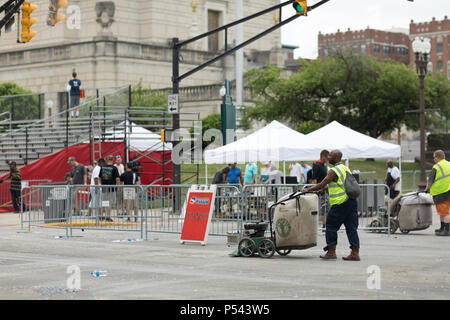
[439,230]
[445,231]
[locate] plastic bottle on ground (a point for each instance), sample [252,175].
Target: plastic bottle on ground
[99,273]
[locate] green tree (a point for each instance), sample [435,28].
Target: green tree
[153,103]
[21,107]
[359,91]
[212,121]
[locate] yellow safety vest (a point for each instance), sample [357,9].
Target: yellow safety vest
[336,190]
[441,182]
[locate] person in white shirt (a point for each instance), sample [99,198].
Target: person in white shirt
[119,165]
[119,194]
[295,170]
[95,191]
[393,176]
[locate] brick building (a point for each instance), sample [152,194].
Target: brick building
[377,43]
[439,33]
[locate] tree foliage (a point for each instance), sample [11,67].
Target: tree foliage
[359,91]
[21,107]
[154,103]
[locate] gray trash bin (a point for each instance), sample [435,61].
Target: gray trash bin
[55,199]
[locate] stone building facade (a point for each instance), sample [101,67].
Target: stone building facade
[439,33]
[120,42]
[377,43]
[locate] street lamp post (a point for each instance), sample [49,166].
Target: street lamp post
[421,48]
[227,115]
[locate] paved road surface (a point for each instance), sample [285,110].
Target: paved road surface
[34,266]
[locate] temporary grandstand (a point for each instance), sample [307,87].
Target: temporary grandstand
[101,125]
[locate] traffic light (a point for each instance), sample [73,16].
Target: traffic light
[53,16]
[27,21]
[300,7]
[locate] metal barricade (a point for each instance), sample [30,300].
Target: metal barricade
[374,208]
[86,207]
[256,199]
[162,216]
[107,207]
[162,213]
[227,218]
[47,206]
[5,193]
[154,208]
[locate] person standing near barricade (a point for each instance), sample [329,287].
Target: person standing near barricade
[234,176]
[220,177]
[120,167]
[392,180]
[131,178]
[343,209]
[318,172]
[109,176]
[265,173]
[295,170]
[251,173]
[95,202]
[15,187]
[137,166]
[439,187]
[306,171]
[78,178]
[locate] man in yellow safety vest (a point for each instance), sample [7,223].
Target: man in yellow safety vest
[343,209]
[439,187]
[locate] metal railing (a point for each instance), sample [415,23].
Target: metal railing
[145,209]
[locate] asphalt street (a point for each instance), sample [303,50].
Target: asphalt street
[35,265]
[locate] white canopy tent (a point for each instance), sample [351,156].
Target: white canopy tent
[139,138]
[275,142]
[353,144]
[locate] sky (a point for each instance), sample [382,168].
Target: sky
[356,15]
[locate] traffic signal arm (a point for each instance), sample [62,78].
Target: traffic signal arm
[11,13]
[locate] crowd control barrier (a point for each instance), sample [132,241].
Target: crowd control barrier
[158,208]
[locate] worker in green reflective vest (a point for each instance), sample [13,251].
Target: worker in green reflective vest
[343,209]
[439,187]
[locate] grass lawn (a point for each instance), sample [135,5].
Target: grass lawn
[369,170]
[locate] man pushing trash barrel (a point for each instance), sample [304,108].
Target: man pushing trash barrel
[343,191]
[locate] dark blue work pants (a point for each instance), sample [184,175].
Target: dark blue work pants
[345,213]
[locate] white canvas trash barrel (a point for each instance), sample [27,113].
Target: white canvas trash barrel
[416,211]
[295,222]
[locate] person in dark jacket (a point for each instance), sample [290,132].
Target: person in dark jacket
[16,187]
[318,172]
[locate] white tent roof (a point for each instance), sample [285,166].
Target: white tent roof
[275,142]
[351,143]
[140,138]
